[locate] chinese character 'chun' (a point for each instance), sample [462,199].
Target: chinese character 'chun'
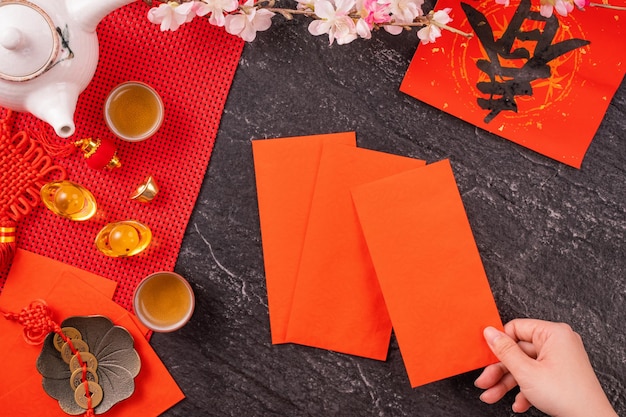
[507,82]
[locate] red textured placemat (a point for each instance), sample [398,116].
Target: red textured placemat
[192,69]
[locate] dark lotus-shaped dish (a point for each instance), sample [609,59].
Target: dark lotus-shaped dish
[118,363]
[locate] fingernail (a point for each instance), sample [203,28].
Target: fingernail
[491,334]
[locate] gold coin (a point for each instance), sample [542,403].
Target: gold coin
[77,377]
[66,350]
[70,333]
[80,395]
[88,359]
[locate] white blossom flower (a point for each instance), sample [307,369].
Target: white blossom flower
[171,15]
[217,9]
[248,21]
[363,29]
[336,22]
[430,33]
[304,5]
[406,10]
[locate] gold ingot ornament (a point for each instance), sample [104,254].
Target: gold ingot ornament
[122,239]
[68,199]
[145,191]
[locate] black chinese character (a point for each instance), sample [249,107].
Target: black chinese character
[507,82]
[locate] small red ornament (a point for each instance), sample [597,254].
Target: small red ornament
[99,153]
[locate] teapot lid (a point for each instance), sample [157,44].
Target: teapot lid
[28,40]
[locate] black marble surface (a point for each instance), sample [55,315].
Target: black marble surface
[551,237]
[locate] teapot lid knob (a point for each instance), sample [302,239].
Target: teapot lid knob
[10,38]
[29,42]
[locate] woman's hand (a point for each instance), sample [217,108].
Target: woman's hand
[549,363]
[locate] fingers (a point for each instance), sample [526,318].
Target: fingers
[528,348]
[498,391]
[508,351]
[521,403]
[491,375]
[533,331]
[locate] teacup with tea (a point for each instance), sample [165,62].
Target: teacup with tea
[164,301]
[133,111]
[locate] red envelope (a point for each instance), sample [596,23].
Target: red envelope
[556,114]
[285,171]
[337,304]
[69,292]
[429,270]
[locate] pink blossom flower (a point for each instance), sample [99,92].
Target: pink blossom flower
[562,7]
[430,33]
[336,22]
[375,11]
[371,12]
[171,15]
[248,21]
[217,8]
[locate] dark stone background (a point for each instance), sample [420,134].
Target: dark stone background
[551,237]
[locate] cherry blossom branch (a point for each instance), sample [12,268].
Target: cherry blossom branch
[342,20]
[607,6]
[424,21]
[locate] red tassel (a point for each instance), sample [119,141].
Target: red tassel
[7,242]
[55,150]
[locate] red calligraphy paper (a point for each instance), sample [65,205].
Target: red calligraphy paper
[548,94]
[429,270]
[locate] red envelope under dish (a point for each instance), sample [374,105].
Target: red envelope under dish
[69,291]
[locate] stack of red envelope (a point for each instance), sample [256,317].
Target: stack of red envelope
[357,242]
[70,291]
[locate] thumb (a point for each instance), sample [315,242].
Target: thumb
[507,351]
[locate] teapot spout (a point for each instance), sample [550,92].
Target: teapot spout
[55,105]
[88,13]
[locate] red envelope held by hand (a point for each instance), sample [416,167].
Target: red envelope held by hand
[429,270]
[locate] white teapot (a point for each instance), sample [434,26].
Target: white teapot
[48,55]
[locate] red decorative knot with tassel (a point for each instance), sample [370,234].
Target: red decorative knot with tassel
[24,166]
[98,153]
[37,323]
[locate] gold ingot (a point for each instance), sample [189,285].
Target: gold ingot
[68,199]
[122,239]
[145,191]
[80,395]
